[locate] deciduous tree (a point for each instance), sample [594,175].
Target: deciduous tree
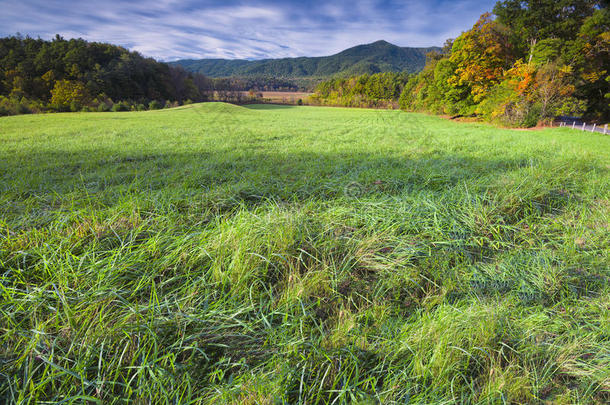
[481,55]
[69,94]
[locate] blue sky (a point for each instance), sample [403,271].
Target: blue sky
[171,29]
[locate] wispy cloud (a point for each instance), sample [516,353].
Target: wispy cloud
[172,29]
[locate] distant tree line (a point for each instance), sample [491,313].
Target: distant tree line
[74,75]
[534,61]
[376,90]
[263,83]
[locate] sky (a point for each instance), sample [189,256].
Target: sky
[257,29]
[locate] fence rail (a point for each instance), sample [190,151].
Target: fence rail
[582,126]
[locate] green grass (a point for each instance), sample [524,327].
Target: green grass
[263,255]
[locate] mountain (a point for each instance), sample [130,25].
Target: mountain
[380,56]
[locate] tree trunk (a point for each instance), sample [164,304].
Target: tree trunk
[533,42]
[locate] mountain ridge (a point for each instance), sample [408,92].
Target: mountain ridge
[376,57]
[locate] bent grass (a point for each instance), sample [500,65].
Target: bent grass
[263,255]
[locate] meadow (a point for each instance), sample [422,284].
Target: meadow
[214,253]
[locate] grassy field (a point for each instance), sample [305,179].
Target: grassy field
[272,254]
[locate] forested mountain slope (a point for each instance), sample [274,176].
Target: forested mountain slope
[380,56]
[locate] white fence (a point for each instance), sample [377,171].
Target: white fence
[582,126]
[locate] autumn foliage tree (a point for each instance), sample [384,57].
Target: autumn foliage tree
[481,56]
[69,95]
[539,59]
[377,90]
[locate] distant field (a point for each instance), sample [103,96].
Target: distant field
[278,254]
[282,97]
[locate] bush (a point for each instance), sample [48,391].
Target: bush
[12,106]
[532,117]
[4,107]
[120,106]
[141,107]
[154,105]
[103,107]
[75,106]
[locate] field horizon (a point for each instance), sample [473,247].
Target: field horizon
[273,254]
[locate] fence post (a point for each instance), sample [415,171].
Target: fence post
[583,125]
[605,129]
[573,124]
[593,130]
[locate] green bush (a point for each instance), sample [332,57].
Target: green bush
[75,106]
[532,116]
[120,106]
[155,105]
[13,106]
[4,111]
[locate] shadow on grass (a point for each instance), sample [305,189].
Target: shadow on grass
[278,176]
[222,182]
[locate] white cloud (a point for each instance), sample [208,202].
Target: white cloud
[171,29]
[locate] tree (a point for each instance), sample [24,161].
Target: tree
[591,61]
[552,88]
[534,20]
[480,56]
[548,50]
[69,94]
[31,68]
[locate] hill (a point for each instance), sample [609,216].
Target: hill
[380,56]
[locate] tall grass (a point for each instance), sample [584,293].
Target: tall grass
[263,255]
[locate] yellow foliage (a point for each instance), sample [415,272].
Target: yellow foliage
[480,55]
[66,92]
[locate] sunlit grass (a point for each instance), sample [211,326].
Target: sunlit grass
[223,254]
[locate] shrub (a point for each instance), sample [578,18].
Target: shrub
[4,107]
[120,106]
[154,105]
[12,106]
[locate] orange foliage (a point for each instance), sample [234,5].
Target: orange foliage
[481,56]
